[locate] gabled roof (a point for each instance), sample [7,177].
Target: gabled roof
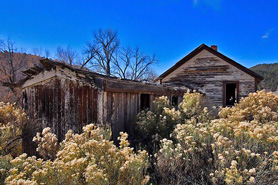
[218,54]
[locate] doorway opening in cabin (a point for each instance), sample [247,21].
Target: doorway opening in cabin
[145,101]
[175,102]
[230,94]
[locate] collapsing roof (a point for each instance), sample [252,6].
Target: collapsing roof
[103,82]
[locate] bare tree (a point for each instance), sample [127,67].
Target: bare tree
[149,76]
[37,51]
[101,52]
[67,55]
[134,65]
[141,66]
[122,62]
[46,53]
[10,63]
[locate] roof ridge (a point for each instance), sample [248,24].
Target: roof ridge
[217,53]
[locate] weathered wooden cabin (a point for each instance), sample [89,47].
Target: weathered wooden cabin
[221,79]
[66,97]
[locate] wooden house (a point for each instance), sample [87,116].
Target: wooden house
[221,79]
[66,97]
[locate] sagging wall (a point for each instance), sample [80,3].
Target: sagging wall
[207,73]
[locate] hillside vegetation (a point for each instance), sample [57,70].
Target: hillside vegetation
[11,66]
[270,74]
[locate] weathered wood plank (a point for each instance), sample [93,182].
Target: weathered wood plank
[95,105]
[59,110]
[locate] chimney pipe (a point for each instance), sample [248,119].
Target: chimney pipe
[214,47]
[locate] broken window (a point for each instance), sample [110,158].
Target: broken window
[145,101]
[230,94]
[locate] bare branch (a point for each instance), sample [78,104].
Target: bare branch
[122,63]
[133,64]
[66,55]
[102,50]
[141,65]
[46,53]
[10,62]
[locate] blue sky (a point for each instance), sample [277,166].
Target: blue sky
[246,31]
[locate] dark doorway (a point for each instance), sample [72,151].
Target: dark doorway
[231,93]
[175,102]
[145,101]
[25,101]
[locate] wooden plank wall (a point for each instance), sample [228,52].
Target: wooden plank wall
[62,105]
[120,111]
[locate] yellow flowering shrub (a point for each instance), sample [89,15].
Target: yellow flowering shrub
[153,126]
[5,165]
[47,144]
[241,147]
[86,158]
[12,120]
[189,146]
[259,106]
[191,105]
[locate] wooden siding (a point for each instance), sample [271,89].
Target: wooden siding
[120,110]
[206,73]
[62,104]
[65,98]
